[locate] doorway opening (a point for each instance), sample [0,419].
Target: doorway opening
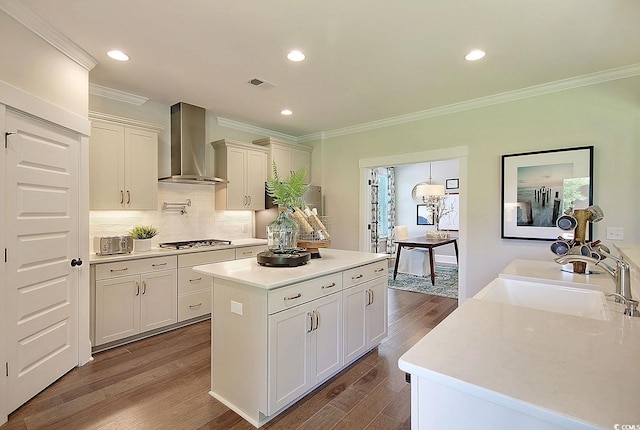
[402,209]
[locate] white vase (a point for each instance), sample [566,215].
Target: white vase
[142,245]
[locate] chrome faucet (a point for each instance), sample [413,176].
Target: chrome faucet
[621,275]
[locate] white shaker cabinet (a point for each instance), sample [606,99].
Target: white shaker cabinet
[123,164]
[365,309]
[288,157]
[133,297]
[194,289]
[244,166]
[305,348]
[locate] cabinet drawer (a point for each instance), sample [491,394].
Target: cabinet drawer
[190,281]
[364,273]
[194,305]
[303,292]
[249,251]
[132,267]
[206,257]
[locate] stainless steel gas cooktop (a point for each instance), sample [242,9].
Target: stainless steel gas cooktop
[194,243]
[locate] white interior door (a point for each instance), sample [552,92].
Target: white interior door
[41,168]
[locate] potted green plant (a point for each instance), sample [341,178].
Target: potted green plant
[142,235]
[282,233]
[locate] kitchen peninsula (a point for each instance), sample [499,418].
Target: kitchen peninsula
[279,332]
[494,364]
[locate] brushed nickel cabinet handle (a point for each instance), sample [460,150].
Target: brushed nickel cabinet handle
[137,289]
[195,306]
[128,197]
[118,270]
[121,197]
[310,315]
[379,270]
[297,296]
[316,318]
[326,287]
[144,287]
[195,280]
[159,264]
[357,277]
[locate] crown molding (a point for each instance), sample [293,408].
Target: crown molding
[121,96]
[25,16]
[130,122]
[533,91]
[236,125]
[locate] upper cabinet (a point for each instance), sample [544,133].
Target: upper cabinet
[244,166]
[123,163]
[288,157]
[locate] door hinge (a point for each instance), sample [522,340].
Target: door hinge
[6,138]
[5,255]
[6,368]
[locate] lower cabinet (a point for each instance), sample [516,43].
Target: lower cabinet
[194,289]
[128,305]
[365,317]
[305,348]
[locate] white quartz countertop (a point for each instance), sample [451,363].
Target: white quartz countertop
[161,252]
[249,272]
[575,372]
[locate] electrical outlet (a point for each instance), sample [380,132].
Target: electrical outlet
[236,308]
[615,233]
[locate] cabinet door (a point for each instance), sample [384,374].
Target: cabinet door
[328,336]
[354,301]
[236,177]
[377,312]
[159,300]
[256,177]
[117,308]
[281,155]
[106,158]
[300,159]
[289,352]
[141,169]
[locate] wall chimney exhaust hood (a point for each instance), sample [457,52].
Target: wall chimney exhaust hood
[188,146]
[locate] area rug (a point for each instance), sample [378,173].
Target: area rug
[446,282]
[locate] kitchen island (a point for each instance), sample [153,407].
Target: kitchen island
[279,332]
[502,366]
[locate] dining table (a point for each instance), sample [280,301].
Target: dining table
[424,242]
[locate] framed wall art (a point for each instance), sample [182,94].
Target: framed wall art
[450,219]
[452,184]
[538,187]
[424,215]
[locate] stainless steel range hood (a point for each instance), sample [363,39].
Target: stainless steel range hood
[188,141]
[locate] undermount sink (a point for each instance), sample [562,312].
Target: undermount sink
[582,302]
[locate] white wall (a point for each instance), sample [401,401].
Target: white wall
[605,115]
[33,65]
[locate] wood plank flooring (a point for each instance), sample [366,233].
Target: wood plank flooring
[163,383]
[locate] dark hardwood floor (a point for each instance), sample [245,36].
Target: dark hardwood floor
[163,383]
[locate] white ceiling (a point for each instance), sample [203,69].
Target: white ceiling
[367,60]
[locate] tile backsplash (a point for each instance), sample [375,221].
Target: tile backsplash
[201,221]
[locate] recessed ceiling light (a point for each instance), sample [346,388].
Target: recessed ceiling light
[474,55]
[118,55]
[286,112]
[296,55]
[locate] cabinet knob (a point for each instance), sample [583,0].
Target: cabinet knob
[77,262]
